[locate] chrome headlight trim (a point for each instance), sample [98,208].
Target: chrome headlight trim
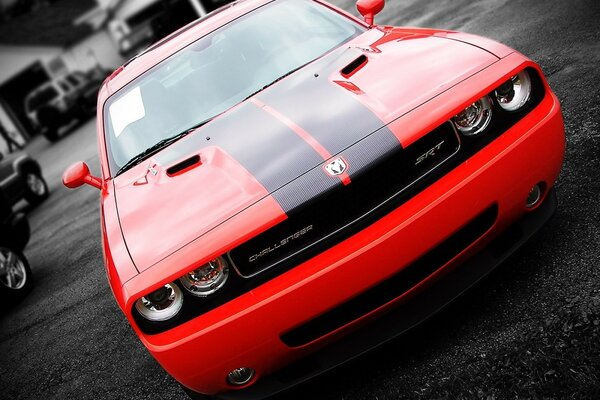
[206,279]
[513,94]
[162,304]
[475,118]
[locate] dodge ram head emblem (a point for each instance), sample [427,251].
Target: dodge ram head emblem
[336,167]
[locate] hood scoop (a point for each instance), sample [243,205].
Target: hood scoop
[184,166]
[354,66]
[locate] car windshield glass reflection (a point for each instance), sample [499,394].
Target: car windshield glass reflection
[218,71]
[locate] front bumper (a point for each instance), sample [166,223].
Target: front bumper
[407,315]
[248,331]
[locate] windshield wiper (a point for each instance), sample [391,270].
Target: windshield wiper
[155,148]
[274,82]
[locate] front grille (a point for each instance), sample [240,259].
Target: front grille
[344,210]
[395,286]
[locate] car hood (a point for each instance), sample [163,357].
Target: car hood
[256,149]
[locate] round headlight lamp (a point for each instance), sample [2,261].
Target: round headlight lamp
[514,93]
[162,304]
[475,118]
[206,279]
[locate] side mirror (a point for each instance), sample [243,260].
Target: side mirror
[369,8]
[78,174]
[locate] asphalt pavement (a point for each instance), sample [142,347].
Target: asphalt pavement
[68,339]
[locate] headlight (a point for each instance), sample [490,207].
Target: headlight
[475,118]
[207,279]
[514,93]
[162,304]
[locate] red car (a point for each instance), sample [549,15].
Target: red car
[285,186]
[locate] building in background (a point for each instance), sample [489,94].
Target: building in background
[56,37]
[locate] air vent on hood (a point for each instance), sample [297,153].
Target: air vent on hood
[184,165]
[354,66]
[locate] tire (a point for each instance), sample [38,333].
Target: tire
[16,279]
[36,188]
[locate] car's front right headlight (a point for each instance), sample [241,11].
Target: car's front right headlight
[513,94]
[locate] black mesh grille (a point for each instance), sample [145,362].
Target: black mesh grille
[344,210]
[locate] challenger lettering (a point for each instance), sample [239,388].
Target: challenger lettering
[281,243]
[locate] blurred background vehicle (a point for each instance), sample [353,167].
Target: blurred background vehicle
[49,81]
[15,274]
[60,101]
[136,24]
[21,178]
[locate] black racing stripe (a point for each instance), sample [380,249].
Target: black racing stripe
[284,163]
[360,157]
[370,151]
[330,113]
[267,148]
[306,189]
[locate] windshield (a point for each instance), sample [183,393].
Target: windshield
[218,71]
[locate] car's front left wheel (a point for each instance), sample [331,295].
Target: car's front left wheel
[15,275]
[36,188]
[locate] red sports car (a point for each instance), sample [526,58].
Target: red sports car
[285,186]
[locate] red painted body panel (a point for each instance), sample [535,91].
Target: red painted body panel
[414,80]
[419,121]
[119,267]
[502,173]
[415,69]
[186,206]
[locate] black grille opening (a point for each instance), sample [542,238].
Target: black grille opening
[395,286]
[345,210]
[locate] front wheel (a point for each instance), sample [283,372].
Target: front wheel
[15,275]
[36,188]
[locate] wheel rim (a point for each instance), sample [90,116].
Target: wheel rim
[36,184]
[12,269]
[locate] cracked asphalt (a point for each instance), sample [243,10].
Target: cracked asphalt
[68,339]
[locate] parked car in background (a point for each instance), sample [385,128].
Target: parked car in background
[21,178]
[15,274]
[58,102]
[137,24]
